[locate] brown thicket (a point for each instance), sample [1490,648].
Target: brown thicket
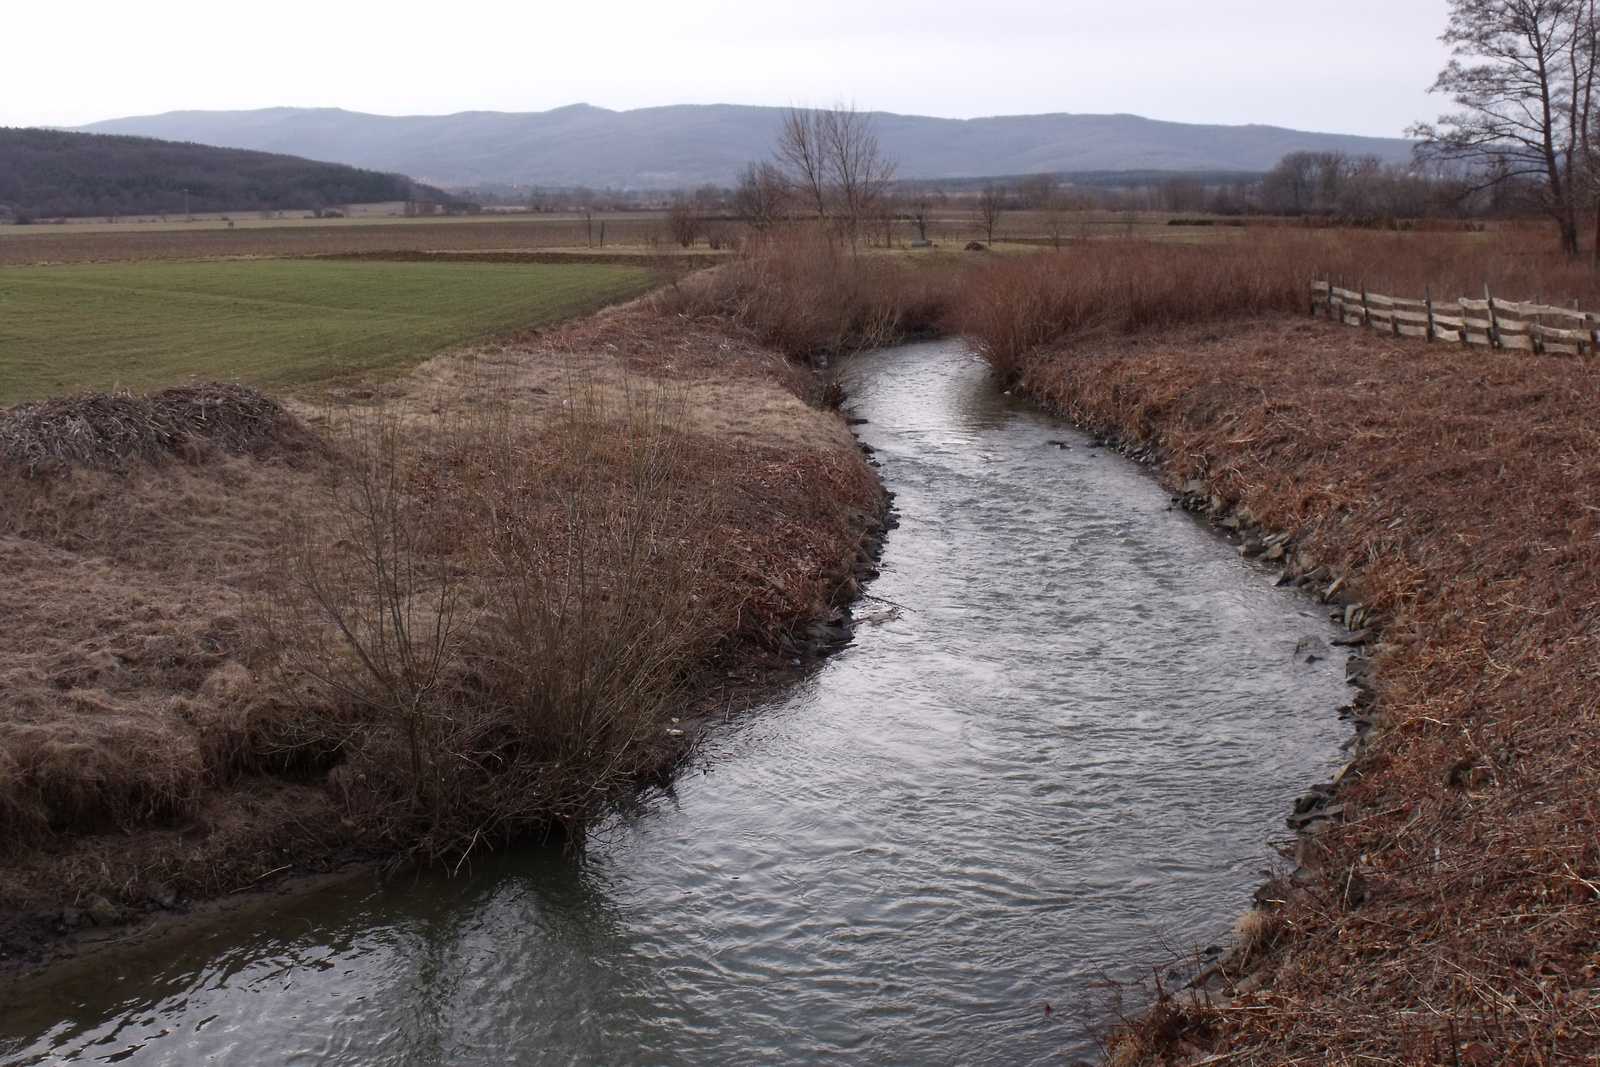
[502,616]
[1012,304]
[804,294]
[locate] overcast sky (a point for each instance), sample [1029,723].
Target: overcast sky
[1358,66]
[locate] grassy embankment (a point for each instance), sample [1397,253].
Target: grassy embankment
[1439,905]
[248,639]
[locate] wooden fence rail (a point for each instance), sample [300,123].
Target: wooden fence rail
[1490,321]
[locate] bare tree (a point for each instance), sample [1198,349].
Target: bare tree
[1183,192]
[1526,93]
[991,205]
[761,198]
[1034,190]
[919,208]
[1053,210]
[801,155]
[831,158]
[856,167]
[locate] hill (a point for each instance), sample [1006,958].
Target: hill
[54,172]
[682,145]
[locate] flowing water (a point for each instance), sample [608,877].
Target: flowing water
[1054,752]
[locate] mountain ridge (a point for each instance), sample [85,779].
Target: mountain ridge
[690,144]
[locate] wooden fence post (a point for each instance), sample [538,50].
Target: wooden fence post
[1428,299]
[1366,309]
[1494,323]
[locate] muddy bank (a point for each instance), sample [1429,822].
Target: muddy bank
[146,743]
[1438,902]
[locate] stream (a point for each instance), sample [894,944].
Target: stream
[1070,721]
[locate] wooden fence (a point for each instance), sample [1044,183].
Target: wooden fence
[1490,321]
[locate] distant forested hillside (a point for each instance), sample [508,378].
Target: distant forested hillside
[49,173]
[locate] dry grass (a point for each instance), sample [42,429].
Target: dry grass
[1453,913]
[148,741]
[128,242]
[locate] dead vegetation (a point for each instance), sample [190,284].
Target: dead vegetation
[806,295]
[472,611]
[105,431]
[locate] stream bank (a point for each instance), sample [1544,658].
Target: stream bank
[1437,904]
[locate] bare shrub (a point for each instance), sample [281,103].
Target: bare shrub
[499,618]
[802,294]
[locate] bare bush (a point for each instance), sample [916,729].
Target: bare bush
[498,620]
[761,199]
[802,295]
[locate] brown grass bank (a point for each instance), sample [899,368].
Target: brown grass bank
[463,614]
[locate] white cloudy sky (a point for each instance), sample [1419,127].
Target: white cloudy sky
[1357,66]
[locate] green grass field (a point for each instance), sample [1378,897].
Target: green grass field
[280,324]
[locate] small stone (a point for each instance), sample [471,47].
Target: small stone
[1310,649]
[1275,552]
[1251,983]
[71,917]
[102,912]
